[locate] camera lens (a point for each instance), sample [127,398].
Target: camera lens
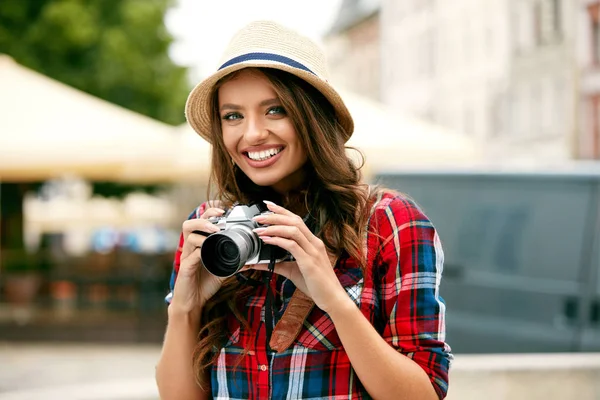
[225,253]
[228,250]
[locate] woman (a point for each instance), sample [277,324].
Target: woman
[368,260]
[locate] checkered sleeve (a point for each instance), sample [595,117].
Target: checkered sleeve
[177,260]
[410,269]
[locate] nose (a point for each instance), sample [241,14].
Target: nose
[256,132]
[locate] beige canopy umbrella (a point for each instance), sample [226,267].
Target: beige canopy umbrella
[193,157]
[392,139]
[189,161]
[48,130]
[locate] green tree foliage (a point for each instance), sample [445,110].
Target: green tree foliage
[116,50]
[113,49]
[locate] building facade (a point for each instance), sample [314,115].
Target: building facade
[539,119]
[502,71]
[354,50]
[522,77]
[446,61]
[588,58]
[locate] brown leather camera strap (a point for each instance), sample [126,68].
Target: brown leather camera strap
[290,324]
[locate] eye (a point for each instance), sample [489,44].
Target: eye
[277,110]
[232,116]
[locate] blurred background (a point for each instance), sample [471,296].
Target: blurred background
[487,112]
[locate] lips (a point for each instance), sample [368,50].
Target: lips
[263,154]
[266,157]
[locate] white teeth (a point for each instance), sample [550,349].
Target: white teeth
[263,155]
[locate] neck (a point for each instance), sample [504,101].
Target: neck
[296,202]
[291,183]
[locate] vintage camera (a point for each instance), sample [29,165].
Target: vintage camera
[224,253]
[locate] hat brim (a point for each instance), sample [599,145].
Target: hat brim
[198,106]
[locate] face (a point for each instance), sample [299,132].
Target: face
[258,134]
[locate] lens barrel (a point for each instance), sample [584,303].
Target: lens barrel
[225,253]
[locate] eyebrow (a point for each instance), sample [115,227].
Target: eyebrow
[267,102]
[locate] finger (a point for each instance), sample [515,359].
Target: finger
[192,242]
[189,264]
[198,224]
[194,232]
[289,220]
[278,209]
[284,219]
[212,212]
[287,244]
[278,219]
[289,232]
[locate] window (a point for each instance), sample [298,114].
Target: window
[593,12]
[426,55]
[557,17]
[467,45]
[523,17]
[596,41]
[537,24]
[535,104]
[559,105]
[594,143]
[497,114]
[468,121]
[421,5]
[522,111]
[548,126]
[489,41]
[547,21]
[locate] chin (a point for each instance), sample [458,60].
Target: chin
[274,177]
[264,181]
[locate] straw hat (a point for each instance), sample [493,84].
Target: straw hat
[268,45]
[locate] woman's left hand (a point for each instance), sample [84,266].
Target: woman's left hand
[312,272]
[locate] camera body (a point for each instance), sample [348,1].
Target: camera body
[224,253]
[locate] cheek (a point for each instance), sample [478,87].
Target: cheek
[303,157]
[300,151]
[229,141]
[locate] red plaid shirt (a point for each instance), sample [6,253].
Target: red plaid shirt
[399,295]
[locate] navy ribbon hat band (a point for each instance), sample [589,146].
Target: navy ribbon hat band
[266,57]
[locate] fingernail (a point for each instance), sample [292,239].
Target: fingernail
[258,231]
[265,238]
[269,203]
[258,218]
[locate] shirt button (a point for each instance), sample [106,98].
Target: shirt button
[263,368]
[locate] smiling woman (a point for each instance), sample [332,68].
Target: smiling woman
[257,132]
[354,309]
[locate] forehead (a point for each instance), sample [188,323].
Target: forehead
[246,83]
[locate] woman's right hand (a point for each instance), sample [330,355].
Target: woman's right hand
[194,285]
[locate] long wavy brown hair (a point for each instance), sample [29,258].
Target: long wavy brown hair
[333,194]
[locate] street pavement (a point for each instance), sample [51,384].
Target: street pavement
[126,372]
[77,372]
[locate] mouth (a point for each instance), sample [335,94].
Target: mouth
[263,158]
[264,154]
